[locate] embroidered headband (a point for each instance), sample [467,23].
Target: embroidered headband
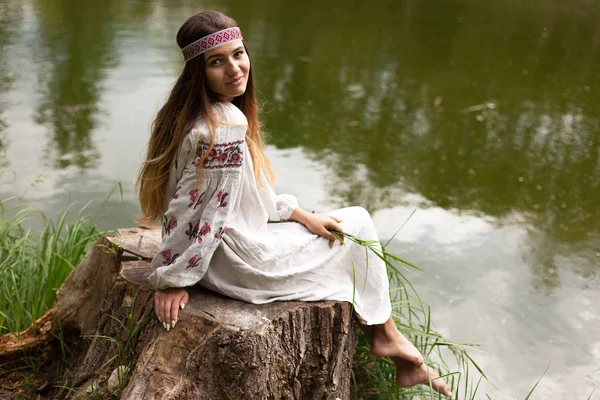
[211,41]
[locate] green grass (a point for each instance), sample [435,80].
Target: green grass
[126,329]
[34,265]
[374,378]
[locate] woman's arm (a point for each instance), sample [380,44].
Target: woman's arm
[193,226]
[319,224]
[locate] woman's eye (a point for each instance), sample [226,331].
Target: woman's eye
[215,62]
[239,53]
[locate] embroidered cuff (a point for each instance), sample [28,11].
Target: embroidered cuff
[286,204]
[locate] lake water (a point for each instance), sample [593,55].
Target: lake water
[483,116]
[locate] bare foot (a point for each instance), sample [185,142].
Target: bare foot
[408,375]
[398,348]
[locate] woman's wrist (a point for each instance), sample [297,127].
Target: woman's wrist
[300,215]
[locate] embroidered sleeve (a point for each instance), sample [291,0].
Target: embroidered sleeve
[185,151]
[196,218]
[286,204]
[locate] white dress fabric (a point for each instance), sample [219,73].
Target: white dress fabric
[224,236]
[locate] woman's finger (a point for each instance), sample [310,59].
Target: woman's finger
[167,313]
[161,305]
[336,219]
[161,309]
[334,226]
[184,299]
[337,237]
[326,234]
[157,305]
[174,310]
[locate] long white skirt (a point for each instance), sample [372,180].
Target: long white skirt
[290,263]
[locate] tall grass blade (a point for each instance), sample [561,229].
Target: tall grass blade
[536,384]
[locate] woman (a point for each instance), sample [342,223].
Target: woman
[207,178]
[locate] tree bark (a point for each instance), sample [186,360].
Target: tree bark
[220,349]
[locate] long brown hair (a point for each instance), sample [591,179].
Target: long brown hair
[190,99]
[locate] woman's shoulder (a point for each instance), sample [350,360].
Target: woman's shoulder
[229,114]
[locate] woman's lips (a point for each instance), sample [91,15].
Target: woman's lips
[236,81]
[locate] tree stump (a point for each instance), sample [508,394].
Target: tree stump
[220,349]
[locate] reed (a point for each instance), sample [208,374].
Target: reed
[373,377]
[34,265]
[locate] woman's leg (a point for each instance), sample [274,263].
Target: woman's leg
[387,341]
[371,276]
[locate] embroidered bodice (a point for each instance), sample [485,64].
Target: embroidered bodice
[197,218]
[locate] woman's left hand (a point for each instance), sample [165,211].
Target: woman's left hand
[319,224]
[167,303]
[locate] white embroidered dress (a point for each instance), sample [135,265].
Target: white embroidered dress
[219,237]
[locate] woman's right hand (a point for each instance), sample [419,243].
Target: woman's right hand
[167,303]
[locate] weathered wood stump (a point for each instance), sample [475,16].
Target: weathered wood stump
[220,349]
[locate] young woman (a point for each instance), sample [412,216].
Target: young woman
[207,179]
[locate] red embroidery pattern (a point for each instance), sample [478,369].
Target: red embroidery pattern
[169,225]
[167,258]
[205,230]
[193,262]
[221,196]
[192,230]
[207,42]
[193,197]
[222,155]
[221,232]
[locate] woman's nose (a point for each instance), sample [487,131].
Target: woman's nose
[233,68]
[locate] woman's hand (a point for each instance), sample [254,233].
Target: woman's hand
[167,303]
[319,224]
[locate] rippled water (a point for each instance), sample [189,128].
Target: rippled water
[482,116]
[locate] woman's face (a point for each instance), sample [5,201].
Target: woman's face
[227,69]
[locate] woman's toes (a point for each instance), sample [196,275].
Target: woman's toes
[417,360]
[440,386]
[414,359]
[408,375]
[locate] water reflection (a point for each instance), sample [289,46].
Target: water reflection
[393,97]
[76,45]
[508,129]
[483,114]
[10,18]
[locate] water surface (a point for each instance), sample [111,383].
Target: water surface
[483,117]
